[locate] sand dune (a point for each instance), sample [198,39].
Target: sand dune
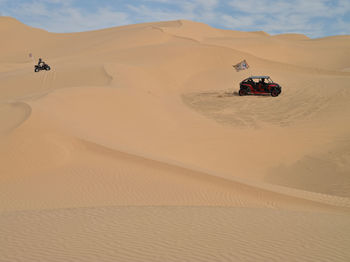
[173,234]
[13,115]
[136,146]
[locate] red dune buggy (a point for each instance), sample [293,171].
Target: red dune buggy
[259,85]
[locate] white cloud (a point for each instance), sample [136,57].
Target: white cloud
[157,14]
[198,10]
[312,17]
[310,8]
[238,21]
[73,20]
[207,4]
[64,17]
[35,9]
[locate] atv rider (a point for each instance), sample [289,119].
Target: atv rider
[41,63]
[262,84]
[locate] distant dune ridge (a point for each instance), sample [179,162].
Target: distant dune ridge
[135,146]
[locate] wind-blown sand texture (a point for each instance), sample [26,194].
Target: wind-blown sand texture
[136,146]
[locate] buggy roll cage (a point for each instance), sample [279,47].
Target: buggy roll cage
[259,77]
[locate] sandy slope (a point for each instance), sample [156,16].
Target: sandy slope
[174,234]
[136,148]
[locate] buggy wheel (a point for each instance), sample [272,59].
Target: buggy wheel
[47,68]
[36,69]
[274,93]
[243,92]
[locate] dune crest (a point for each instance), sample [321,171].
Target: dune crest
[292,36]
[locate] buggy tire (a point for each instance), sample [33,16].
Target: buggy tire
[47,68]
[36,70]
[243,92]
[274,93]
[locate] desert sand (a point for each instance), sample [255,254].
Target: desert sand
[136,146]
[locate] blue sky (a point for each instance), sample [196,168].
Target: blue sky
[315,18]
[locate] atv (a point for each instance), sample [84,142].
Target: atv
[42,66]
[259,85]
